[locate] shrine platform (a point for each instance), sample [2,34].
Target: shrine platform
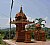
[12,42]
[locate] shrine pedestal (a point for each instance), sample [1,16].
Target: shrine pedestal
[20,36]
[39,35]
[28,37]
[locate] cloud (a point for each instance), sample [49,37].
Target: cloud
[47,25]
[29,18]
[46,18]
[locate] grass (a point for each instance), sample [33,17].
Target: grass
[1,37]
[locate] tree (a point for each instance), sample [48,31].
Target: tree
[40,20]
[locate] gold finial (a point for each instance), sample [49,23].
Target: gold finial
[21,9]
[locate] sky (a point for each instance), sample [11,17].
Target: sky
[32,8]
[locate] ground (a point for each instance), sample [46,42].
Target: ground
[22,43]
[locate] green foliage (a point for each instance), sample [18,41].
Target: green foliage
[5,34]
[40,20]
[1,37]
[12,33]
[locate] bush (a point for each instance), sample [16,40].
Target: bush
[0,39]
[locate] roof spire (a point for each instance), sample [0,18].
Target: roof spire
[21,9]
